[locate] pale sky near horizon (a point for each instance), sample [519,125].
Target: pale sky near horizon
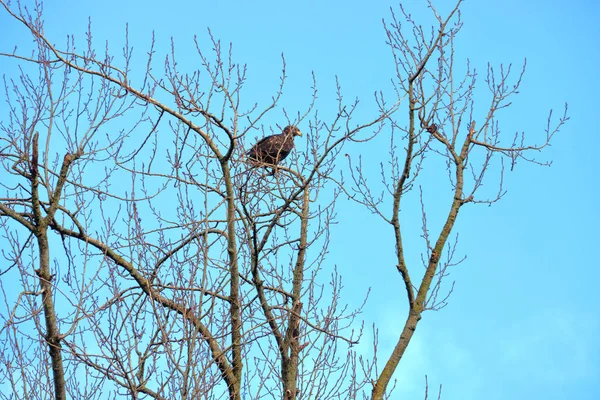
[523,321]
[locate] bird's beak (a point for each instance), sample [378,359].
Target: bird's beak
[298,133]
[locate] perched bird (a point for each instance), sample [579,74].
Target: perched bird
[272,149]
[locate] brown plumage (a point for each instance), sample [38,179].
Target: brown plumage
[272,149]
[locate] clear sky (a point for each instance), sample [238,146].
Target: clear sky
[524,320]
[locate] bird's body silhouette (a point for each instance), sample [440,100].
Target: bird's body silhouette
[272,149]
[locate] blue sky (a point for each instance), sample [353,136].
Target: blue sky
[523,321]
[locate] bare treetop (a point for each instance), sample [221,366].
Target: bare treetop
[155,260]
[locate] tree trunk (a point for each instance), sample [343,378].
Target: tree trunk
[409,329]
[52,334]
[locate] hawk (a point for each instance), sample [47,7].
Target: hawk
[272,149]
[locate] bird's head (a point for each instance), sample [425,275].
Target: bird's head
[292,130]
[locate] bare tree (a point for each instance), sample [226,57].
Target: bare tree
[163,264]
[179,255]
[444,123]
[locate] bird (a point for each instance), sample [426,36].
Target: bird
[272,149]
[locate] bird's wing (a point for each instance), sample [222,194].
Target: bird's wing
[262,141]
